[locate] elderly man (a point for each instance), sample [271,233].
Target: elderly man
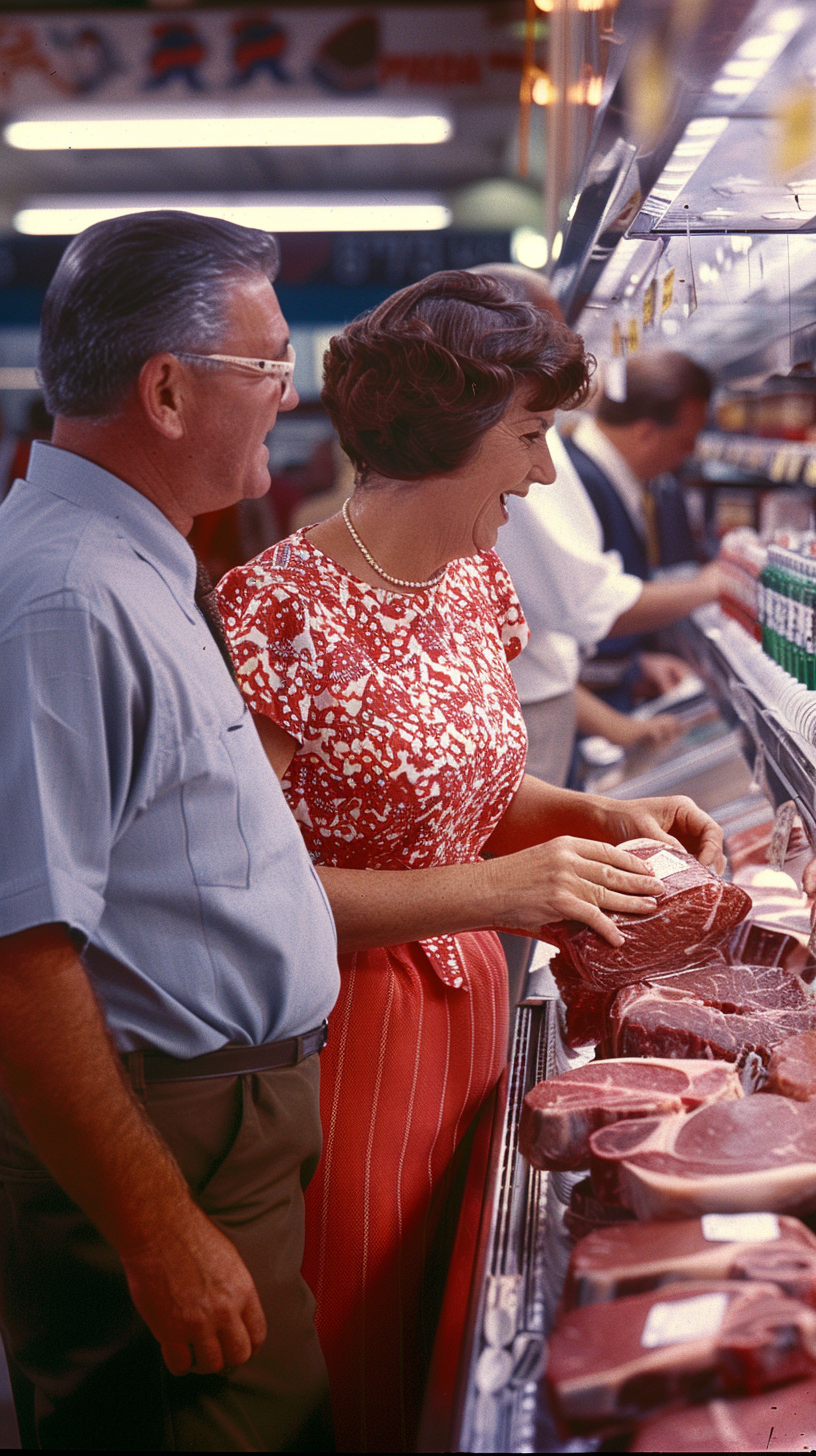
[168,955]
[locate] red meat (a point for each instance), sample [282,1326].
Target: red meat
[697,911]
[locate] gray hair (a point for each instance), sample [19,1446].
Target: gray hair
[136,286]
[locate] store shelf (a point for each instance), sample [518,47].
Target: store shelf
[782,760]
[729,459]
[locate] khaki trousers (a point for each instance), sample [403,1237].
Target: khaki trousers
[87,1373]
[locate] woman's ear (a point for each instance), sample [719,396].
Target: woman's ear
[161,390]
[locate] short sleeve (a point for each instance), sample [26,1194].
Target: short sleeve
[269,629]
[510,620]
[66,728]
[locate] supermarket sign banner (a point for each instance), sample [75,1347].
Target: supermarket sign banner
[289,52]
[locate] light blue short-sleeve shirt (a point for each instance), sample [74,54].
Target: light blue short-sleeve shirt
[137,804]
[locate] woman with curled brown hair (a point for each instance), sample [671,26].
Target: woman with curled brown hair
[373,650]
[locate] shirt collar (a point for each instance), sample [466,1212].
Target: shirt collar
[598,446]
[152,536]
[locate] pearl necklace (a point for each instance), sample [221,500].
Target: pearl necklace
[397,580]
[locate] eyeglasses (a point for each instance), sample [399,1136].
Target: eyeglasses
[283,369]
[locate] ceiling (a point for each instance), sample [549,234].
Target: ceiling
[467,55]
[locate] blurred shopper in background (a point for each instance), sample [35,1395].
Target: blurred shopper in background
[576,589]
[374,651]
[624,457]
[167,959]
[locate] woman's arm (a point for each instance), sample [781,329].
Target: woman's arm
[576,878]
[539,812]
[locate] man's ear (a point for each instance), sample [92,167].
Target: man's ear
[161,394]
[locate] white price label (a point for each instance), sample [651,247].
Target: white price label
[742,1228]
[664,864]
[673,1323]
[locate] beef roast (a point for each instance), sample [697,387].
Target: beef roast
[696,912]
[616,1364]
[721,1011]
[728,1157]
[629,1258]
[792,1067]
[775,1420]
[558,1115]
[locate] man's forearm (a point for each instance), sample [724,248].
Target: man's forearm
[62,1078]
[663,602]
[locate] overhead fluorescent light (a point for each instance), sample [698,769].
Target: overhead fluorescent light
[282,125]
[285,212]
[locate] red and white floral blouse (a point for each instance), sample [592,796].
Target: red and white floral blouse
[411,743]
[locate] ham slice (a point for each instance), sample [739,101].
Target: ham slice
[559,1115]
[792,1067]
[775,1420]
[728,1157]
[697,911]
[629,1258]
[612,1366]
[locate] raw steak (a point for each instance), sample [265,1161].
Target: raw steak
[629,1258]
[614,1365]
[726,1012]
[697,911]
[760,947]
[586,1213]
[775,1420]
[792,1068]
[558,1115]
[730,1157]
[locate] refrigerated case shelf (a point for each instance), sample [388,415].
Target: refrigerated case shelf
[484,1391]
[782,760]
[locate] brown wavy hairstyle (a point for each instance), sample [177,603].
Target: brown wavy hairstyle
[413,386]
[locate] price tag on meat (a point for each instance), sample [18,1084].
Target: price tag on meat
[665,865]
[743,1228]
[697,1318]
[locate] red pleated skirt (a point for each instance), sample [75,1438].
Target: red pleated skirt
[408,1063]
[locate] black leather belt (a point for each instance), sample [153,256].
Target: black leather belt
[228,1061]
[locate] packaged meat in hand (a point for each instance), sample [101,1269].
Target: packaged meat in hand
[783,1419]
[792,1067]
[728,1157]
[612,1365]
[630,1258]
[695,913]
[558,1115]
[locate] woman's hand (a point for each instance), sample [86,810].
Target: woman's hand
[571,879]
[674,820]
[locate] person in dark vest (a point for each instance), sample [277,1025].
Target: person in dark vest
[624,457]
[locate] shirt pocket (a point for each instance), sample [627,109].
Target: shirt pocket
[211,804]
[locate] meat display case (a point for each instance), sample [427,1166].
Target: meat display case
[485,1389]
[508,1265]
